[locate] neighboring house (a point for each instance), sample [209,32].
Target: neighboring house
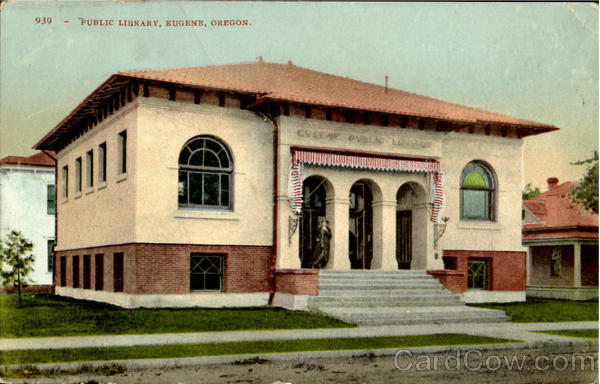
[28,205]
[209,186]
[562,241]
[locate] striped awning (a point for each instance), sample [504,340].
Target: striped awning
[318,157]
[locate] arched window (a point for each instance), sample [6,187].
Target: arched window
[205,174]
[477,192]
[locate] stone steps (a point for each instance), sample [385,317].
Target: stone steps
[393,297]
[415,315]
[387,301]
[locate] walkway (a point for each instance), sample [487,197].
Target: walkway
[516,331]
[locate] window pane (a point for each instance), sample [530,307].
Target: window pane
[183,187]
[197,282]
[50,255]
[102,159]
[195,145]
[213,281]
[90,169]
[99,272]
[51,197]
[78,174]
[211,189]
[225,190]
[123,152]
[195,189]
[224,159]
[211,159]
[476,176]
[474,180]
[475,204]
[213,146]
[65,181]
[205,159]
[184,155]
[118,272]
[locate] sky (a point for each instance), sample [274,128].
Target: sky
[536,61]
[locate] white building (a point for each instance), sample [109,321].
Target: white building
[181,181]
[28,205]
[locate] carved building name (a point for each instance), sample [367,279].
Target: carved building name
[363,139]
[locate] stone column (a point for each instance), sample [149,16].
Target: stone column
[529,266]
[384,235]
[577,265]
[338,214]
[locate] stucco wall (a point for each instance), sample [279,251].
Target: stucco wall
[164,127]
[23,207]
[504,157]
[104,214]
[453,150]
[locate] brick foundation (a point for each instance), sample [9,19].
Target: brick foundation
[508,270]
[165,268]
[298,281]
[34,288]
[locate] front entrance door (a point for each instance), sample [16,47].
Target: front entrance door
[313,214]
[309,233]
[360,246]
[403,239]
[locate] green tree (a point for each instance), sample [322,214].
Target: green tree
[586,193]
[530,193]
[15,252]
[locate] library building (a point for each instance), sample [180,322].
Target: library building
[263,183]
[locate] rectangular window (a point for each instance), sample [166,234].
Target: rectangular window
[51,199]
[63,271]
[50,255]
[206,272]
[102,162]
[75,271]
[123,152]
[86,272]
[78,174]
[556,262]
[118,272]
[89,161]
[478,276]
[65,179]
[99,272]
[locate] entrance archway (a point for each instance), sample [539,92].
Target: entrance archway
[411,226]
[315,191]
[360,242]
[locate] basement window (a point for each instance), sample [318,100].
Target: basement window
[206,272]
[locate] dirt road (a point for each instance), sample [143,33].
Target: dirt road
[522,366]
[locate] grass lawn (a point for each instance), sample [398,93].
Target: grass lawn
[45,315]
[250,347]
[585,333]
[543,311]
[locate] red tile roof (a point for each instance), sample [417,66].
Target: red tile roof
[37,160]
[288,83]
[561,218]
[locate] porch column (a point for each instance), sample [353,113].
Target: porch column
[577,265]
[384,235]
[338,214]
[529,266]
